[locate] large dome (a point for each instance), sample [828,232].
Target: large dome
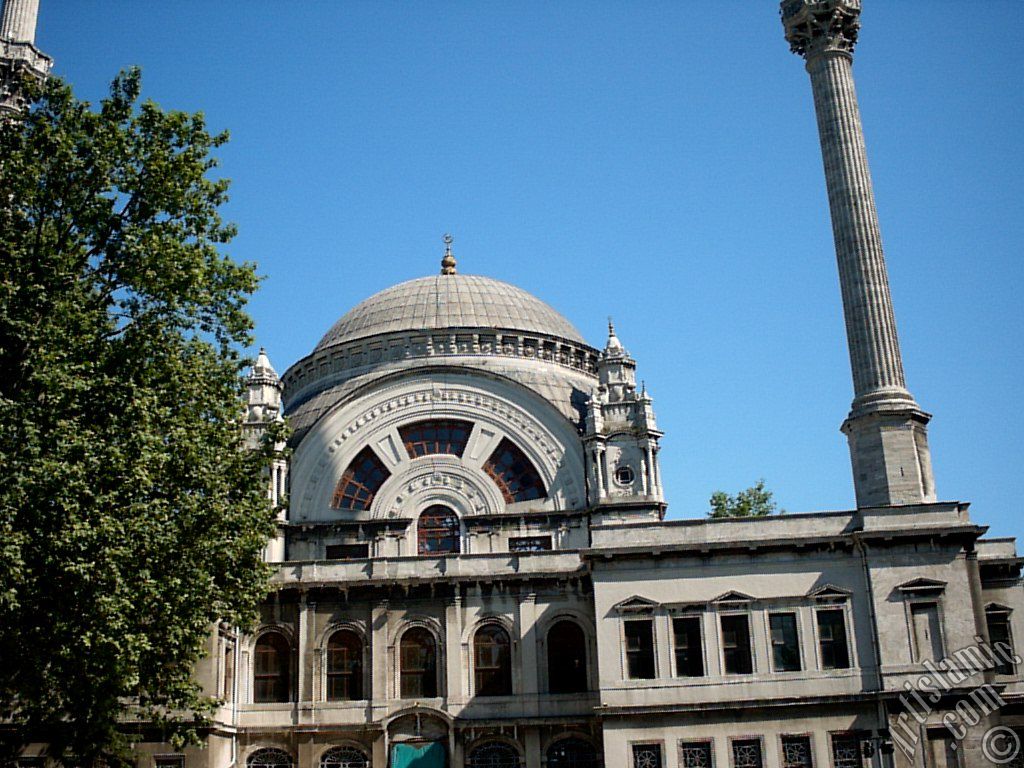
[449,301]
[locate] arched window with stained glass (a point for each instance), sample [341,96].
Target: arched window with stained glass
[435,436]
[514,473]
[360,481]
[437,531]
[492,661]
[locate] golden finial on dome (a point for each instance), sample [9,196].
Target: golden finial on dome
[448,262]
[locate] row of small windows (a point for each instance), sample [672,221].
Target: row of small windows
[418,655]
[508,466]
[335,757]
[438,534]
[737,650]
[848,750]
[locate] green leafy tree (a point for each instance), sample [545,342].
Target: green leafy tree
[130,520]
[755,501]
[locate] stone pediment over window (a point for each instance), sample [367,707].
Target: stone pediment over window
[922,587]
[635,604]
[829,592]
[732,596]
[998,608]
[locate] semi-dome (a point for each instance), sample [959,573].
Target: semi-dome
[449,301]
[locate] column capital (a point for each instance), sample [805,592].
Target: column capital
[815,27]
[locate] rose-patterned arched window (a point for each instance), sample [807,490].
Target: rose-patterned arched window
[493,754]
[269,757]
[437,531]
[360,481]
[344,757]
[515,474]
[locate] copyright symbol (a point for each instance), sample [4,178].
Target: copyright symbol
[1000,745]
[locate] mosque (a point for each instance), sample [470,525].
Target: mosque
[474,568]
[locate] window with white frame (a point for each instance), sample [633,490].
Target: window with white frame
[647,756]
[832,643]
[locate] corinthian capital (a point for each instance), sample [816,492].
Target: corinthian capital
[814,27]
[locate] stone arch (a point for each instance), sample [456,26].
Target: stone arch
[499,406]
[586,626]
[291,662]
[338,750]
[565,738]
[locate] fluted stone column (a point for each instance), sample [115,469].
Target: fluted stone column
[18,52]
[886,429]
[19,20]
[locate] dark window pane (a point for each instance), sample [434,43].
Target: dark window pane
[567,658]
[344,666]
[846,751]
[437,531]
[832,639]
[271,669]
[785,643]
[688,646]
[736,645]
[347,551]
[360,482]
[572,753]
[493,754]
[514,474]
[999,632]
[492,654]
[640,649]
[418,664]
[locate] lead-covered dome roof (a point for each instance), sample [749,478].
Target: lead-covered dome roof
[449,301]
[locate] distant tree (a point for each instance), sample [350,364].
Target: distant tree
[130,520]
[755,501]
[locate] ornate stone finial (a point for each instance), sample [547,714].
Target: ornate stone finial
[814,27]
[448,262]
[18,52]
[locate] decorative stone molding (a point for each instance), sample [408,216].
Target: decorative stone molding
[814,27]
[336,364]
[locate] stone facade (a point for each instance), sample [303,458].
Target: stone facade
[474,569]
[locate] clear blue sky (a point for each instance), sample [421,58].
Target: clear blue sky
[654,161]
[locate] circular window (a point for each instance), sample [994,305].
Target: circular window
[624,476]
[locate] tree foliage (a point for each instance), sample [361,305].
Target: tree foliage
[130,520]
[755,501]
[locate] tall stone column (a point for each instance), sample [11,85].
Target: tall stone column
[18,52]
[886,428]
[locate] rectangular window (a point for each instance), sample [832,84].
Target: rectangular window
[796,752]
[169,761]
[846,751]
[785,642]
[942,752]
[348,551]
[647,756]
[746,753]
[832,639]
[689,649]
[927,635]
[695,754]
[30,762]
[529,544]
[999,632]
[736,645]
[640,649]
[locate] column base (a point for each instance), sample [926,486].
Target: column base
[890,456]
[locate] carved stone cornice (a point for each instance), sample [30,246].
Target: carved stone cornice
[814,27]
